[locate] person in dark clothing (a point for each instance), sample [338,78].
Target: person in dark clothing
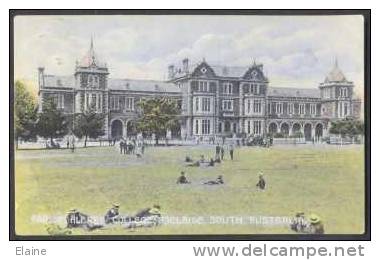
[316,225]
[148,212]
[112,214]
[217,151]
[76,219]
[261,183]
[182,179]
[231,148]
[218,181]
[188,159]
[222,152]
[122,144]
[299,223]
[211,163]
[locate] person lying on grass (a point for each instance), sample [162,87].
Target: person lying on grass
[218,181]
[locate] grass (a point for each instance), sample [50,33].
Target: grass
[327,180]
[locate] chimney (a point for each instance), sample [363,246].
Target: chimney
[171,71]
[41,71]
[185,65]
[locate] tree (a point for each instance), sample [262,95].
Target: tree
[347,127]
[157,116]
[89,124]
[51,122]
[25,113]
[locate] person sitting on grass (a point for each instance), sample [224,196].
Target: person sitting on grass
[261,183]
[316,225]
[299,223]
[218,181]
[112,214]
[182,179]
[76,219]
[148,212]
[188,159]
[148,217]
[211,163]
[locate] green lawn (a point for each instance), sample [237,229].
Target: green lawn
[327,180]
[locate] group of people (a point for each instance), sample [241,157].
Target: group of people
[146,217]
[220,149]
[307,225]
[182,179]
[132,147]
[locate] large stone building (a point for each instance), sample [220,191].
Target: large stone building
[214,100]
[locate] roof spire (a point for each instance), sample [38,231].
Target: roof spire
[336,62]
[92,43]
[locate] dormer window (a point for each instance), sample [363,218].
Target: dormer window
[204,70]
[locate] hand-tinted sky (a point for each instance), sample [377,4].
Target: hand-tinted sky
[297,51]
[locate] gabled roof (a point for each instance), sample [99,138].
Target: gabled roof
[219,70]
[142,85]
[294,92]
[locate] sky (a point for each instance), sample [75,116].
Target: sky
[296,51]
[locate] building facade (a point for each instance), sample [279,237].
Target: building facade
[214,100]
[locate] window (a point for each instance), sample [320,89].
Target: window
[256,127]
[228,105]
[227,88]
[327,93]
[129,103]
[290,108]
[301,109]
[114,102]
[278,108]
[197,104]
[93,100]
[343,109]
[249,127]
[206,105]
[313,109]
[196,126]
[205,126]
[257,106]
[203,86]
[99,102]
[254,89]
[248,106]
[343,92]
[59,100]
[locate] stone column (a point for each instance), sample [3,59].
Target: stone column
[125,128]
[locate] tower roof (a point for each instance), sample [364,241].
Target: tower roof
[91,59]
[335,75]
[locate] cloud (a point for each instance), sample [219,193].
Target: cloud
[297,51]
